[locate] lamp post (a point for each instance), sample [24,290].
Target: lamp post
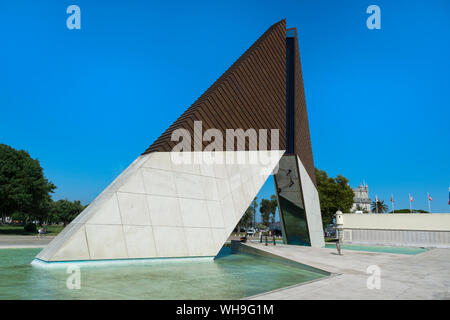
[339,228]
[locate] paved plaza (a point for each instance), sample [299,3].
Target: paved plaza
[9,242]
[422,276]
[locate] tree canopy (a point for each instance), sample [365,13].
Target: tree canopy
[273,207]
[361,208]
[409,211]
[23,186]
[334,194]
[265,210]
[268,209]
[379,206]
[248,218]
[65,211]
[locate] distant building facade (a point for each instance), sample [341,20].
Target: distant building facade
[361,200]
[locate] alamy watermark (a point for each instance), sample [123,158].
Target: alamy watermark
[73,281]
[374,20]
[74,20]
[374,280]
[238,143]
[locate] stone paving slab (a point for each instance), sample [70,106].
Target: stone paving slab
[422,276]
[9,242]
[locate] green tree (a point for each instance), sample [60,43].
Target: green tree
[334,194]
[65,211]
[23,186]
[360,208]
[248,218]
[274,205]
[266,210]
[409,211]
[253,207]
[19,216]
[379,206]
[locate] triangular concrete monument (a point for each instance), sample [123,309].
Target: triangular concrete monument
[156,208]
[162,207]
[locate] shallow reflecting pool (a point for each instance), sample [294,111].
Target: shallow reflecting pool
[385,249]
[229,276]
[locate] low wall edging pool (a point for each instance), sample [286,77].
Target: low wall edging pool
[113,262]
[430,230]
[402,238]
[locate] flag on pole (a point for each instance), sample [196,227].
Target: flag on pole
[429,199]
[449,196]
[411,199]
[392,202]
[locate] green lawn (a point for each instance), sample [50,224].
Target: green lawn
[17,230]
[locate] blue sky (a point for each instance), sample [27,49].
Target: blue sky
[87,102]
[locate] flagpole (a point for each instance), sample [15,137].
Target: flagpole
[410,208]
[429,206]
[376,203]
[392,201]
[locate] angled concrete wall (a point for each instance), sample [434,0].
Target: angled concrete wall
[312,207]
[295,189]
[159,208]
